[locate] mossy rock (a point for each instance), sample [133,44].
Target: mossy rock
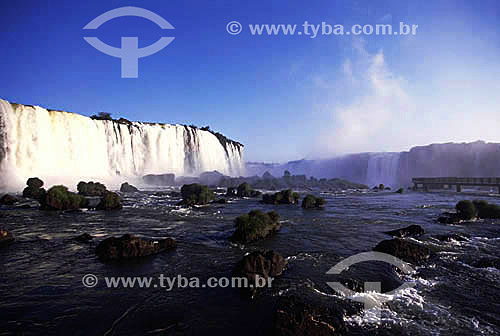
[110,201]
[282,197]
[244,190]
[35,193]
[466,210]
[196,194]
[91,188]
[312,202]
[59,198]
[254,226]
[486,210]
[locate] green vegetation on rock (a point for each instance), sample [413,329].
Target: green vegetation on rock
[110,201]
[466,210]
[91,188]
[311,202]
[59,198]
[282,197]
[244,190]
[196,194]
[255,225]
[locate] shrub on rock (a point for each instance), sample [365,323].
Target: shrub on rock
[231,192]
[244,190]
[400,191]
[110,201]
[125,187]
[311,202]
[486,210]
[466,210]
[129,246]
[34,189]
[196,194]
[91,188]
[59,198]
[282,197]
[255,225]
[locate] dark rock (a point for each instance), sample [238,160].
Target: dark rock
[34,182]
[91,188]
[466,210]
[6,238]
[412,230]
[125,187]
[110,201]
[129,246]
[295,316]
[220,201]
[231,192]
[486,210]
[84,238]
[255,225]
[38,194]
[487,263]
[160,180]
[196,194]
[59,198]
[405,250]
[8,200]
[400,191]
[450,218]
[262,264]
[282,197]
[311,202]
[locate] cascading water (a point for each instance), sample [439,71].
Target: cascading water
[66,147]
[382,168]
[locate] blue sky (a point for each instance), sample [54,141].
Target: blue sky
[284,97]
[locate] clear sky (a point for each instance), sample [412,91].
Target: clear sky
[284,97]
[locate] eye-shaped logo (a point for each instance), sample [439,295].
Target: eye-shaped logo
[129,51]
[370,302]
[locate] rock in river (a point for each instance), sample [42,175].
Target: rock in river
[403,249]
[129,246]
[410,231]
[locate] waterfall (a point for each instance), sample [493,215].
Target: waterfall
[67,147]
[382,168]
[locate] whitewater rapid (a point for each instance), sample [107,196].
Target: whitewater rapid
[67,147]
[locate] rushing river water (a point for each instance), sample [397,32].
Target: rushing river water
[41,290]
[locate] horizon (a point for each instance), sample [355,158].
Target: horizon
[364,93]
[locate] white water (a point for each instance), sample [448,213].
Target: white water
[66,147]
[382,168]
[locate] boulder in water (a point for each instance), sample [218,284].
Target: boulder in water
[405,250]
[59,198]
[8,200]
[84,238]
[91,188]
[110,201]
[6,238]
[34,189]
[126,188]
[412,230]
[160,180]
[282,197]
[244,190]
[129,246]
[451,237]
[262,264]
[311,202]
[298,317]
[254,226]
[231,192]
[196,194]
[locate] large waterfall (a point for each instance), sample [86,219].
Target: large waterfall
[66,147]
[382,168]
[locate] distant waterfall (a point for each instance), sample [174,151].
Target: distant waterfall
[382,168]
[61,146]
